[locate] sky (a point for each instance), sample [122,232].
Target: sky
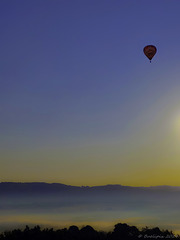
[80,103]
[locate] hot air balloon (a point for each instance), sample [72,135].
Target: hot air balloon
[150,51]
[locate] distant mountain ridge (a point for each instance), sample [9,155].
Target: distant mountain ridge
[42,187]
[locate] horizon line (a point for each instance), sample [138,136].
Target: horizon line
[92,185]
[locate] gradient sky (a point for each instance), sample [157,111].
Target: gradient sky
[80,104]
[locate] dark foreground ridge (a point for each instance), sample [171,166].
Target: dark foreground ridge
[121,231]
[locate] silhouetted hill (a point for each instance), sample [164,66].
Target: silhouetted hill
[58,188]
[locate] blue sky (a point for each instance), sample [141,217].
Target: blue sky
[79,98]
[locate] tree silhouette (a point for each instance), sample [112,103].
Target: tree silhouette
[122,231]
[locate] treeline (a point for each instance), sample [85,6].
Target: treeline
[121,231]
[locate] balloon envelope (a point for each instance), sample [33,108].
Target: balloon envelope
[150,51]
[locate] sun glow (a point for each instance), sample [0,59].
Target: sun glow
[177,124]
